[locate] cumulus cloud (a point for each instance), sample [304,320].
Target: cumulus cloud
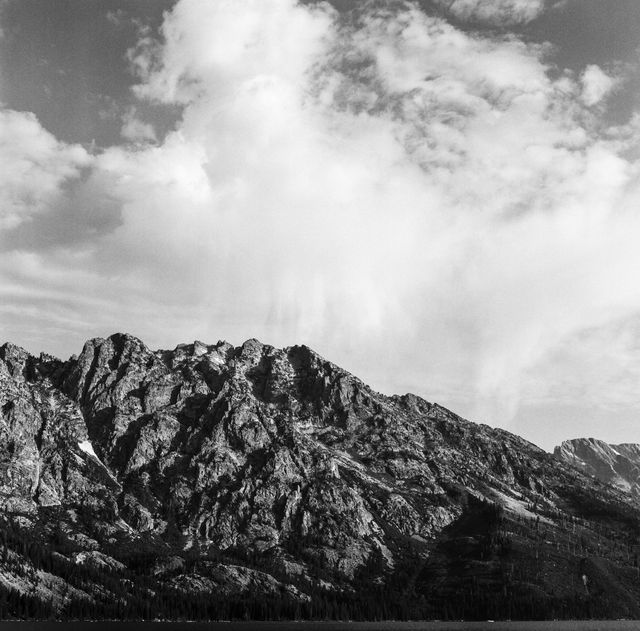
[596,85]
[424,205]
[33,167]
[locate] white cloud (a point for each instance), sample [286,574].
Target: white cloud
[503,12]
[406,197]
[33,167]
[596,85]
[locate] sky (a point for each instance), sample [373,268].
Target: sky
[442,197]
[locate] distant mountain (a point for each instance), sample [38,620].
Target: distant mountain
[213,481]
[616,464]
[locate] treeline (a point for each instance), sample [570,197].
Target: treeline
[490,565]
[136,593]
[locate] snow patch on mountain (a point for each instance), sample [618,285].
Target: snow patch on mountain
[87,447]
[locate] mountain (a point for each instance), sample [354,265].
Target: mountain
[616,464]
[213,481]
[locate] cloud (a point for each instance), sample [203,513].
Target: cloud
[121,19]
[116,18]
[596,85]
[425,205]
[136,130]
[607,367]
[500,12]
[33,167]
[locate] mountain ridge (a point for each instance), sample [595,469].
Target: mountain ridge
[618,465]
[258,482]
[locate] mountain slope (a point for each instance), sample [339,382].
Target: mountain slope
[616,464]
[221,481]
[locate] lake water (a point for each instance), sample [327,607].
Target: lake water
[579,625]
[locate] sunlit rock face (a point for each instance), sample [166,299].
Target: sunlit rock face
[616,464]
[41,432]
[257,470]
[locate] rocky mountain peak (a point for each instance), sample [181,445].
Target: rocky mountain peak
[615,464]
[273,472]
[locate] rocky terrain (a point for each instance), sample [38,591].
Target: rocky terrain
[213,481]
[616,464]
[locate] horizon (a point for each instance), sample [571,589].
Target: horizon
[438,196]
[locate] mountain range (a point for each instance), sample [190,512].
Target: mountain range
[217,482]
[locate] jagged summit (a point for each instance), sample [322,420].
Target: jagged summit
[256,472]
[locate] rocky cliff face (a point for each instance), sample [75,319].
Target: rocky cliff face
[616,464]
[264,480]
